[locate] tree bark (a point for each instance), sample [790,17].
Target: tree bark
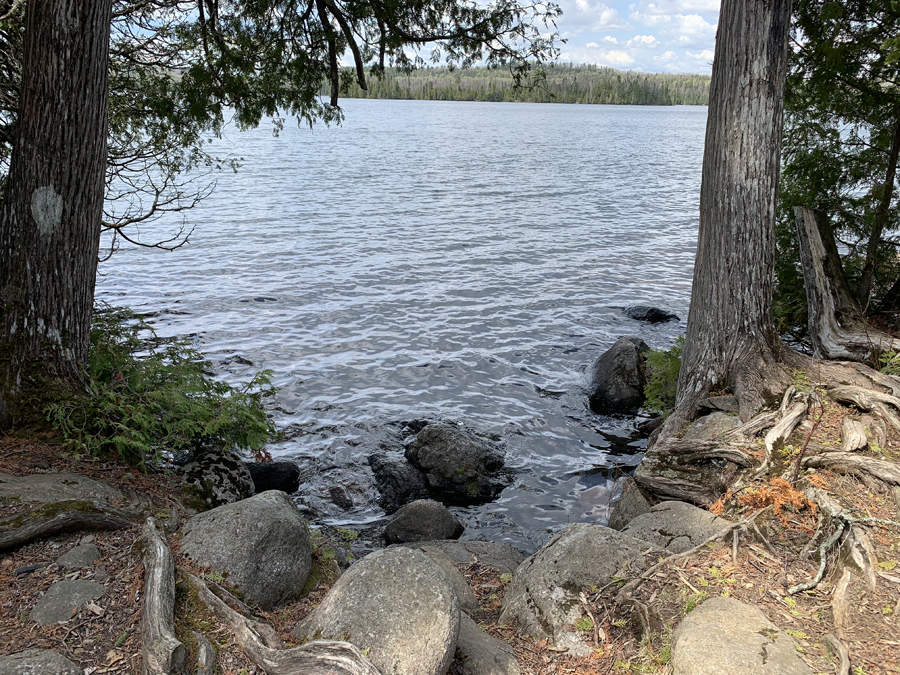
[731,341]
[50,221]
[837,326]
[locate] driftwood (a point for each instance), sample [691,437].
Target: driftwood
[162,653]
[853,435]
[885,471]
[70,515]
[321,657]
[837,327]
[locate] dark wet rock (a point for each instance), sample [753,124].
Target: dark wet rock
[616,377]
[542,599]
[422,520]
[398,481]
[723,636]
[396,603]
[216,478]
[339,498]
[38,662]
[281,475]
[631,504]
[261,544]
[468,603]
[647,427]
[79,556]
[712,425]
[501,557]
[675,526]
[459,464]
[63,599]
[54,487]
[649,314]
[482,654]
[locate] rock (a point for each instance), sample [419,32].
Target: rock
[54,487]
[339,498]
[501,557]
[398,482]
[630,505]
[467,600]
[649,314]
[616,378]
[675,526]
[398,605]
[216,478]
[79,556]
[282,475]
[648,426]
[710,426]
[422,520]
[262,543]
[540,598]
[482,654]
[458,463]
[726,637]
[724,403]
[38,662]
[63,599]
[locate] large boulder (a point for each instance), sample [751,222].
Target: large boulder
[459,464]
[398,607]
[543,596]
[675,526]
[501,557]
[726,637]
[649,314]
[398,482]
[281,475]
[482,654]
[616,378]
[38,662]
[261,543]
[216,478]
[55,487]
[422,520]
[468,603]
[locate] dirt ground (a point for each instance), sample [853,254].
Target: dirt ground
[105,636]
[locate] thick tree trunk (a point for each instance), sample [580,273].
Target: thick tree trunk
[731,341]
[50,221]
[837,327]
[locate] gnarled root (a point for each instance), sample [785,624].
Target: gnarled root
[163,654]
[321,657]
[863,467]
[70,515]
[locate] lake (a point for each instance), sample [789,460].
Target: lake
[438,260]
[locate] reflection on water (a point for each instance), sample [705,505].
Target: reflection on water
[439,260]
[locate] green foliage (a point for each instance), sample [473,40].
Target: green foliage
[663,368]
[146,398]
[584,624]
[890,363]
[556,83]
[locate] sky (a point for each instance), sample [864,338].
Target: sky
[675,36]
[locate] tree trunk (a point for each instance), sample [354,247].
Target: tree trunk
[731,341]
[837,327]
[50,221]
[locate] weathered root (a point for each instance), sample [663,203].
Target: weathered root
[625,593]
[70,515]
[162,652]
[838,648]
[840,604]
[853,435]
[321,657]
[862,553]
[823,560]
[780,432]
[868,400]
[883,470]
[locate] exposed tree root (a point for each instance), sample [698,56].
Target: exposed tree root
[853,435]
[841,652]
[321,657]
[779,433]
[883,470]
[70,515]
[162,653]
[840,604]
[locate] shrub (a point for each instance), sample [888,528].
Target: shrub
[662,381]
[147,398]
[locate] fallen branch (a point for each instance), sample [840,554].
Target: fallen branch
[71,515]
[842,653]
[321,657]
[885,471]
[162,652]
[823,559]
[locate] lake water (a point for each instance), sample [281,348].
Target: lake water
[438,260]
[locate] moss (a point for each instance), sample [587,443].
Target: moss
[192,614]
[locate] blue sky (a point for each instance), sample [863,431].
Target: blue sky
[675,36]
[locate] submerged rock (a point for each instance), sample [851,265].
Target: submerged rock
[459,464]
[262,544]
[649,314]
[398,482]
[616,377]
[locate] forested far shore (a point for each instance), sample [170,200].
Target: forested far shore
[564,83]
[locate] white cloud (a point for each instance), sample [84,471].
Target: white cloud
[688,30]
[584,15]
[592,45]
[610,39]
[642,41]
[677,7]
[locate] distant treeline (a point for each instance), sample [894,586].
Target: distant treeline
[563,84]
